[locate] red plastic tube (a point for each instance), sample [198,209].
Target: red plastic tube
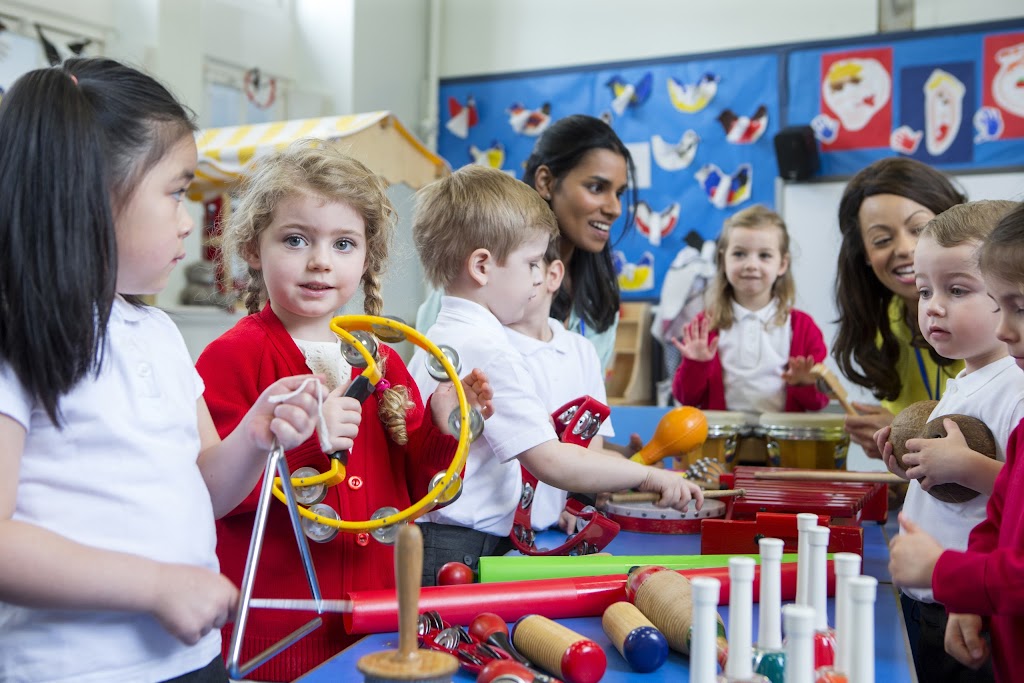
[376,611]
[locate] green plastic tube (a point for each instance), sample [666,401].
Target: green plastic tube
[522,568]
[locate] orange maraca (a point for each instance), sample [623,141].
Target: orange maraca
[681,430]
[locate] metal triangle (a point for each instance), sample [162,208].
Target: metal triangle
[276,464]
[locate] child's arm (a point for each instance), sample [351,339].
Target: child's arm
[39,568]
[806,349]
[912,556]
[940,461]
[693,377]
[232,467]
[964,641]
[985,579]
[573,468]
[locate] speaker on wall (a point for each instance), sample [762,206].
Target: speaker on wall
[796,152]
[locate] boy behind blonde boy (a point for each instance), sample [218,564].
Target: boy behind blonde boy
[959,320]
[481,236]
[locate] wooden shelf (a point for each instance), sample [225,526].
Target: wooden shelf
[629,379]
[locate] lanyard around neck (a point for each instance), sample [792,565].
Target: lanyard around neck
[924,377]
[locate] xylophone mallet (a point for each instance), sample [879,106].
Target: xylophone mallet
[408,663]
[804,521]
[824,637]
[665,597]
[559,650]
[769,660]
[739,668]
[704,617]
[638,641]
[862,590]
[847,566]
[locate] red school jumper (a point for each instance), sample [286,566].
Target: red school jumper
[236,368]
[988,578]
[700,384]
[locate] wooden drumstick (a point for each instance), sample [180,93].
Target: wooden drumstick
[822,372]
[830,476]
[651,497]
[558,649]
[408,663]
[638,641]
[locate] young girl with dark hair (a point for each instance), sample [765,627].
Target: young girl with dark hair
[111,471]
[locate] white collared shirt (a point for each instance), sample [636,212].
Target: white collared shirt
[564,368]
[493,480]
[122,476]
[995,395]
[754,351]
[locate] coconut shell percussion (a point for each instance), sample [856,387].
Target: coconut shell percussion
[912,423]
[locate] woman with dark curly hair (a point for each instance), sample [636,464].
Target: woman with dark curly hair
[879,345]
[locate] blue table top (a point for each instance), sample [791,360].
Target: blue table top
[892,658]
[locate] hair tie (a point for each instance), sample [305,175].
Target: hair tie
[383,385]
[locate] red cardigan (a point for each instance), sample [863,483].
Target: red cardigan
[699,383]
[236,368]
[988,578]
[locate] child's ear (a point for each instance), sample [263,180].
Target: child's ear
[252,258]
[555,274]
[479,265]
[784,267]
[544,182]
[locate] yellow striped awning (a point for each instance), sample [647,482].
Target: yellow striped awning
[378,139]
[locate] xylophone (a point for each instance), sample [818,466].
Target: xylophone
[856,501]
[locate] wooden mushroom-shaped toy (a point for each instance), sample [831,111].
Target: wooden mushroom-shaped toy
[408,663]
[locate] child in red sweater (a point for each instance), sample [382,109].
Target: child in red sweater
[985,581]
[750,350]
[312,225]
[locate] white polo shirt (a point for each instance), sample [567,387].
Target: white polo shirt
[121,475]
[753,352]
[564,368]
[493,481]
[995,395]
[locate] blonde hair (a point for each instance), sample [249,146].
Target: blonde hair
[720,294]
[475,208]
[1002,254]
[970,222]
[316,169]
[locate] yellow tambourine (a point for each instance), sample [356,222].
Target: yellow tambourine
[445,487]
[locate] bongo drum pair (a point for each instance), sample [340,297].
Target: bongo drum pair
[803,440]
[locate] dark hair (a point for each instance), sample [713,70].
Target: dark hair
[595,286]
[861,298]
[76,140]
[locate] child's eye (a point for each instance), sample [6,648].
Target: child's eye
[344,245]
[957,291]
[294,241]
[924,293]
[179,195]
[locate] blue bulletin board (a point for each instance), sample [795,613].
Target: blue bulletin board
[700,127]
[952,99]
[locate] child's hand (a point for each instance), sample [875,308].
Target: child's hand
[342,414]
[964,641]
[885,448]
[478,393]
[939,461]
[567,522]
[191,601]
[291,420]
[694,344]
[676,492]
[912,556]
[862,427]
[798,371]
